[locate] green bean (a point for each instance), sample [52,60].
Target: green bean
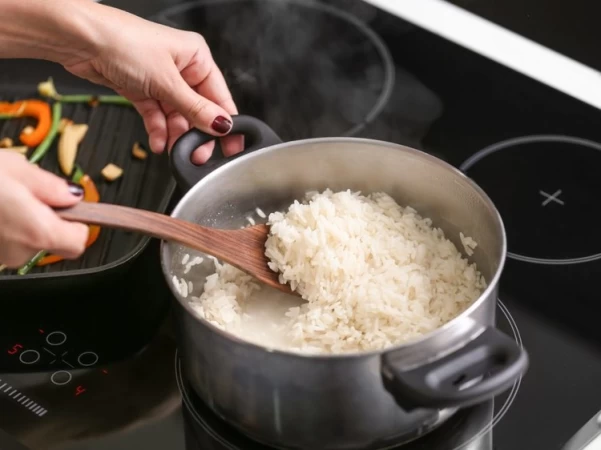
[32,262]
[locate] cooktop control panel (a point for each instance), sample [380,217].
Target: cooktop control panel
[47,349]
[45,366]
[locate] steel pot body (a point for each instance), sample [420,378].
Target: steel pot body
[356,401]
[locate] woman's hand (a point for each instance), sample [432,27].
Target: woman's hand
[168,74]
[27,222]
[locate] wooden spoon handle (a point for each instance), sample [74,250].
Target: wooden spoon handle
[149,223]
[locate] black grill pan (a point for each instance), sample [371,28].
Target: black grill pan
[147,184]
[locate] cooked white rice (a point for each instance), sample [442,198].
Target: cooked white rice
[374,274]
[186,258]
[468,244]
[195,261]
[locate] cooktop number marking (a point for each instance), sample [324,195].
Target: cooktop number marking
[552,198]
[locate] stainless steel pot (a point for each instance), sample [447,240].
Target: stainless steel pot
[354,401]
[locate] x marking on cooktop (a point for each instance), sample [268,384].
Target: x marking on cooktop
[552,198]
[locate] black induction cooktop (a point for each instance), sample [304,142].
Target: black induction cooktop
[345,68]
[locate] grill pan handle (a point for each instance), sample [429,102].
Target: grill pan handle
[476,372]
[188,174]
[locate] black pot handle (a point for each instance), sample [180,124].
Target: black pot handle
[188,174]
[451,381]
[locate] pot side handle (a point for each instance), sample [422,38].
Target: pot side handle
[493,358]
[188,174]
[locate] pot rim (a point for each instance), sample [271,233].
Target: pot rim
[491,285]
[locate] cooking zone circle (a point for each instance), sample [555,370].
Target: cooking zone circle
[305,68]
[546,189]
[467,429]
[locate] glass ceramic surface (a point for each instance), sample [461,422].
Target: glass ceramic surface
[533,150]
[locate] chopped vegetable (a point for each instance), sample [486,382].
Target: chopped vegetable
[63,123]
[48,90]
[41,150]
[138,151]
[6,142]
[90,194]
[11,110]
[38,109]
[21,149]
[70,139]
[27,130]
[76,178]
[32,262]
[111,172]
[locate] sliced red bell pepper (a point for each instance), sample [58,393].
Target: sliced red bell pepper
[90,194]
[38,109]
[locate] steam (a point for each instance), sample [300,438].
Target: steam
[304,68]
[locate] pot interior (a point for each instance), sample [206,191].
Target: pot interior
[271,179]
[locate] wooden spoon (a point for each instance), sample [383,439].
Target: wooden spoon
[243,248]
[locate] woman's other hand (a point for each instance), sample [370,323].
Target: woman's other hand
[28,223]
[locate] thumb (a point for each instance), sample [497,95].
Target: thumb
[198,110]
[53,190]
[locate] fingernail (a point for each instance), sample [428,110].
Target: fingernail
[221,125]
[75,189]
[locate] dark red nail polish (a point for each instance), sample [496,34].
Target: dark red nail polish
[75,189]
[221,125]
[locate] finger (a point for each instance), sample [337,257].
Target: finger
[14,256]
[37,228]
[154,122]
[69,238]
[53,234]
[178,125]
[205,77]
[232,145]
[63,238]
[50,189]
[208,81]
[198,110]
